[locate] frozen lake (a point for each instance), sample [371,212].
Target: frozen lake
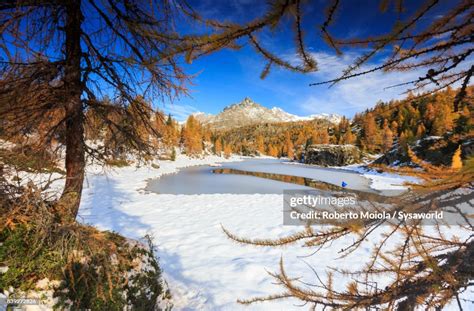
[251,176]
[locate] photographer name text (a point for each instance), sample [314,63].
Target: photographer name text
[365,215]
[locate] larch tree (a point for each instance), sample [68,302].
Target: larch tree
[260,145]
[387,137]
[443,121]
[420,131]
[192,136]
[324,136]
[206,133]
[320,136]
[93,127]
[171,133]
[301,139]
[429,117]
[342,128]
[66,55]
[290,153]
[370,133]
[227,150]
[157,118]
[140,115]
[394,127]
[441,47]
[288,146]
[272,150]
[218,146]
[456,162]
[348,137]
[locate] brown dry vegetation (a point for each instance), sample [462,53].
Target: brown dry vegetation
[92,266]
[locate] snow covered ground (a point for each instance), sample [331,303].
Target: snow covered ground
[384,180]
[204,269]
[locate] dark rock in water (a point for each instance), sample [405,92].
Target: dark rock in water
[436,150]
[332,155]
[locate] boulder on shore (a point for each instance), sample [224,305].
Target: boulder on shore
[332,155]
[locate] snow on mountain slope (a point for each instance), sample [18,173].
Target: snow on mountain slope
[248,112]
[331,117]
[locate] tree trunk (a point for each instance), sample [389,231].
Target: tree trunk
[75,149]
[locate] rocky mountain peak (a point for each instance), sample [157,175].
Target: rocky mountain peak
[248,112]
[245,103]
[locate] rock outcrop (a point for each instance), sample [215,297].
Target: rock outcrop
[332,155]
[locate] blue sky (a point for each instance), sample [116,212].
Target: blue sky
[228,76]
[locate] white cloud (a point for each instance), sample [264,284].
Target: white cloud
[179,112]
[355,94]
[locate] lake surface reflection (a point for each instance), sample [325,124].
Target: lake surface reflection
[253,176]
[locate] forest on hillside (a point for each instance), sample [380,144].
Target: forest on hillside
[398,123]
[414,118]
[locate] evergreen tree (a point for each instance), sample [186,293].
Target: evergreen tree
[464,121]
[173,154]
[169,120]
